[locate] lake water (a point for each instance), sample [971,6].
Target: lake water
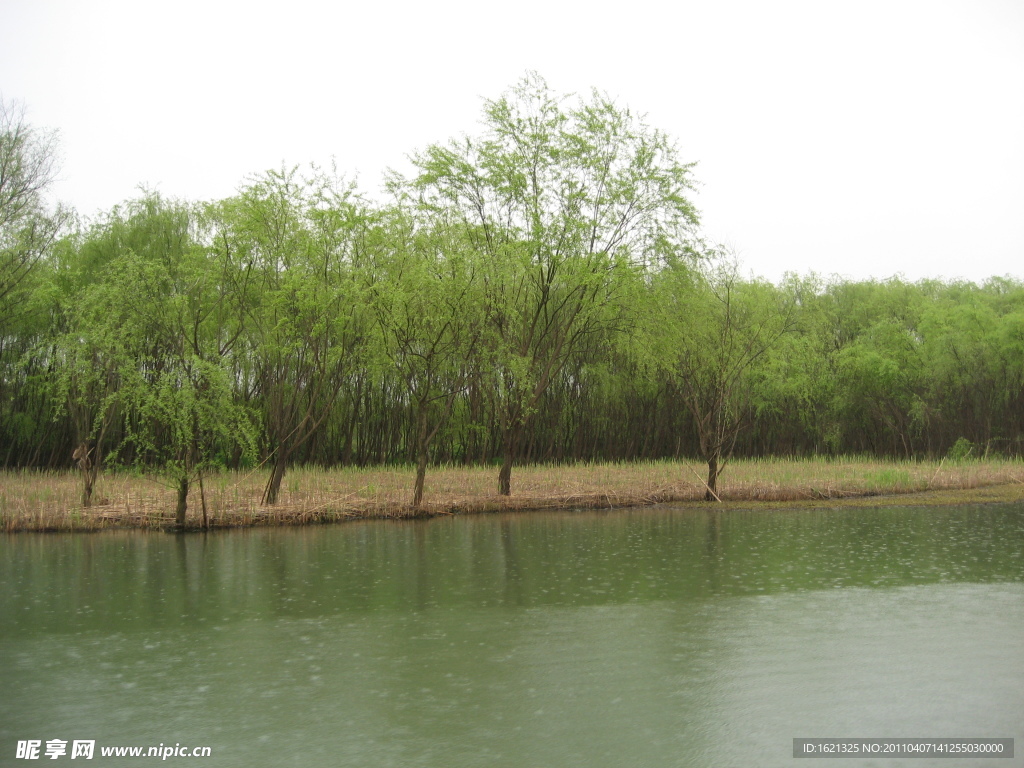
[648,637]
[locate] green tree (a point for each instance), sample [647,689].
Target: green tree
[161,317]
[793,386]
[714,330]
[85,380]
[878,365]
[302,240]
[973,353]
[28,166]
[425,285]
[29,227]
[568,206]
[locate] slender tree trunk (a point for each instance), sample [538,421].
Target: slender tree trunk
[273,488]
[508,451]
[505,475]
[88,478]
[712,489]
[421,474]
[83,455]
[421,455]
[202,496]
[346,453]
[179,512]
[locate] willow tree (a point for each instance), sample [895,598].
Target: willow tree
[425,286]
[568,207]
[972,347]
[161,319]
[85,381]
[29,228]
[299,239]
[714,330]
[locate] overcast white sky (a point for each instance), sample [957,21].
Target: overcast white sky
[859,138]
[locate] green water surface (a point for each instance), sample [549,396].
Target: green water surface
[649,637]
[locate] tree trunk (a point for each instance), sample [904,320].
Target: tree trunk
[421,456]
[711,494]
[508,451]
[87,463]
[421,474]
[276,476]
[179,512]
[93,472]
[88,477]
[202,496]
[505,476]
[346,453]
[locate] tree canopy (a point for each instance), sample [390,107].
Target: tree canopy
[537,292]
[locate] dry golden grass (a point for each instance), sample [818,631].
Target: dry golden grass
[52,500]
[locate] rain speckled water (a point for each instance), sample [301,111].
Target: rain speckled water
[649,637]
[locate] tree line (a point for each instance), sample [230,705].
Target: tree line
[540,292]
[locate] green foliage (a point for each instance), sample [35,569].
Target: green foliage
[567,207]
[28,229]
[960,450]
[147,340]
[425,289]
[538,291]
[295,245]
[715,336]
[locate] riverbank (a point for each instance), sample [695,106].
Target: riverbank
[51,501]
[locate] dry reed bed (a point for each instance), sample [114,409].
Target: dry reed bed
[51,501]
